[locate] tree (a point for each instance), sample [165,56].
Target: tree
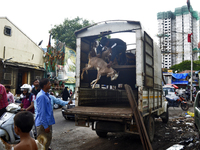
[186,65]
[65,32]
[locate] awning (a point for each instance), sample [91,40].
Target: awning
[15,64]
[179,75]
[179,82]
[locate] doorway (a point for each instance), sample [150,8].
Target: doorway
[22,79]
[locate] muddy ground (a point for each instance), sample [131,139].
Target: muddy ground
[179,130]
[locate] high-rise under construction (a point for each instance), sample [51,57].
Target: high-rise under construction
[173,30]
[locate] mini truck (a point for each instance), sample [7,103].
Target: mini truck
[106,108]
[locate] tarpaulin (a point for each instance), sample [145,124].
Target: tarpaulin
[180,82]
[179,75]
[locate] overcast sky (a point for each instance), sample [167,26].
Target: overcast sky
[35,18]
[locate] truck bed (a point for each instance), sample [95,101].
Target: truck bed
[113,112]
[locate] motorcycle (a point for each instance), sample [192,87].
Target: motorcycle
[7,132]
[188,96]
[176,101]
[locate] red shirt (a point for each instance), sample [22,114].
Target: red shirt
[3,100]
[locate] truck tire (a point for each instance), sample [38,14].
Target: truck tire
[101,134]
[165,117]
[150,127]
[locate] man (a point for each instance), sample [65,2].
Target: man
[58,101]
[117,46]
[36,88]
[44,112]
[3,100]
[55,100]
[10,96]
[65,94]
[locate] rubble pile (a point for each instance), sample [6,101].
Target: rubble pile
[180,133]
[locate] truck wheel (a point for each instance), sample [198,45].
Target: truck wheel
[101,134]
[150,127]
[165,117]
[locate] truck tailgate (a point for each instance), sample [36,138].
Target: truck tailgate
[114,112]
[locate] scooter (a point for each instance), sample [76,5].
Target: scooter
[7,132]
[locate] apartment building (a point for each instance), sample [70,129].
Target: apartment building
[173,30]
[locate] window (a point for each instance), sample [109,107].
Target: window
[7,30]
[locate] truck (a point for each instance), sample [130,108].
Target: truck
[106,108]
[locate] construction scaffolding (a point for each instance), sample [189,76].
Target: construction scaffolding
[177,25]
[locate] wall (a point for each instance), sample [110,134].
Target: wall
[18,46]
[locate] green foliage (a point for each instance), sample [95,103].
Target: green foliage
[186,65]
[65,32]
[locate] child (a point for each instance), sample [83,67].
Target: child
[23,123]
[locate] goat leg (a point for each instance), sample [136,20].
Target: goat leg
[82,73]
[98,77]
[93,81]
[85,69]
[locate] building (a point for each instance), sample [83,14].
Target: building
[173,30]
[21,60]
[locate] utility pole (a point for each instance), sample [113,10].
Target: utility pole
[191,40]
[191,86]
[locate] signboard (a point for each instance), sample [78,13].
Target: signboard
[70,64]
[170,71]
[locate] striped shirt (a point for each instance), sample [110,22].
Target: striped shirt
[3,100]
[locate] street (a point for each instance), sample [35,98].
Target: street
[68,136]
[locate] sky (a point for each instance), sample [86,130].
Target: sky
[36,18]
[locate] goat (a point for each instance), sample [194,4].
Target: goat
[101,66]
[41,142]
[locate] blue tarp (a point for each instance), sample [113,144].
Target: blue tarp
[179,75]
[179,82]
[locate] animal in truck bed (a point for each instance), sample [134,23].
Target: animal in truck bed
[101,66]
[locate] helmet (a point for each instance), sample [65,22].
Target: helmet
[26,86]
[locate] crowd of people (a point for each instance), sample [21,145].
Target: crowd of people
[38,101]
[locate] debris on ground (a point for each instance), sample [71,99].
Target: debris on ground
[181,133]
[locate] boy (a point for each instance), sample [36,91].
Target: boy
[23,123]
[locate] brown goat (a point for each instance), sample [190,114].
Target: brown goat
[101,66]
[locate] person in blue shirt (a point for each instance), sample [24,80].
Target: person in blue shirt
[44,106]
[55,100]
[44,118]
